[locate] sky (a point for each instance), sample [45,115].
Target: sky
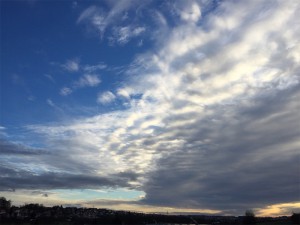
[186,106]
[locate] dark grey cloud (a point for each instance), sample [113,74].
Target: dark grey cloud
[47,181]
[6,171]
[241,152]
[19,156]
[251,159]
[10,148]
[20,168]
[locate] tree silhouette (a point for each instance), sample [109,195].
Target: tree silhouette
[249,217]
[5,204]
[295,218]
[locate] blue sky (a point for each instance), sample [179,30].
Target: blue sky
[183,106]
[40,43]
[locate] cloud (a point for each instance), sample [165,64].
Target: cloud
[122,35]
[112,20]
[279,209]
[53,105]
[94,16]
[23,167]
[191,12]
[49,77]
[65,91]
[11,148]
[87,14]
[160,18]
[74,4]
[226,119]
[50,102]
[71,65]
[124,92]
[93,68]
[2,131]
[60,181]
[106,97]
[100,19]
[87,80]
[220,125]
[211,120]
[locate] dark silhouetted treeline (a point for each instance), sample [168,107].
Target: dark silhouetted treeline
[295,218]
[39,214]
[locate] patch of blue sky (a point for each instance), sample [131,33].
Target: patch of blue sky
[41,52]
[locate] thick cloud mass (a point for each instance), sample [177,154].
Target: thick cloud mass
[233,100]
[250,159]
[29,168]
[22,180]
[211,118]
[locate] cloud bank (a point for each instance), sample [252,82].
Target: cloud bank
[210,118]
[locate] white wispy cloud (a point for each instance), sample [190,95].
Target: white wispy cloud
[99,19]
[124,92]
[106,97]
[74,4]
[122,35]
[93,68]
[56,107]
[2,131]
[49,77]
[50,102]
[31,98]
[94,16]
[114,22]
[160,18]
[65,91]
[87,80]
[71,65]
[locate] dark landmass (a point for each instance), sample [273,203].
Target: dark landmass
[58,215]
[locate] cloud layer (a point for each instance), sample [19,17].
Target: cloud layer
[209,119]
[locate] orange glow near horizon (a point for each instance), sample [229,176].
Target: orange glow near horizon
[282,209]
